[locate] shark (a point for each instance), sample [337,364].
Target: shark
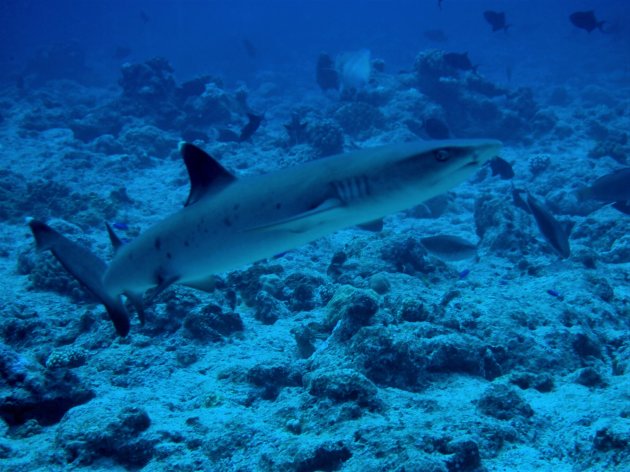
[228,222]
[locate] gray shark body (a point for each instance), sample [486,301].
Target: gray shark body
[229,222]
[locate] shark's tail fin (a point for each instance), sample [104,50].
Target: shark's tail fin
[84,266]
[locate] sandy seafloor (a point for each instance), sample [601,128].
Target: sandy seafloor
[523,364]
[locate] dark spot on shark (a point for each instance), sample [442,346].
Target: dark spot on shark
[157,244]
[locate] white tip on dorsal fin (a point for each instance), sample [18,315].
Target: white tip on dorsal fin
[205,173]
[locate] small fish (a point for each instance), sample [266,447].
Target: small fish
[326,73]
[449,248]
[440,4]
[144,17]
[519,202]
[250,128]
[553,293]
[459,61]
[296,130]
[436,128]
[502,168]
[463,274]
[554,232]
[613,187]
[496,20]
[586,20]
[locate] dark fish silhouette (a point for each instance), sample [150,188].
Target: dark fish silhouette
[296,130]
[436,128]
[250,128]
[502,168]
[459,61]
[586,20]
[450,248]
[613,187]
[496,20]
[144,17]
[554,232]
[327,76]
[250,49]
[440,4]
[437,36]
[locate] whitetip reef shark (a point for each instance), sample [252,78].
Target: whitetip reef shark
[229,222]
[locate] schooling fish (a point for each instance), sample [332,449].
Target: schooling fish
[586,20]
[614,187]
[502,168]
[250,128]
[554,232]
[228,222]
[496,20]
[450,248]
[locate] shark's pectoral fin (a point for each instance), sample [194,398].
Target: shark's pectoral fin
[303,222]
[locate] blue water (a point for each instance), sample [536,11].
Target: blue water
[485,329]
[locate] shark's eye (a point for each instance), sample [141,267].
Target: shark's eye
[441,155]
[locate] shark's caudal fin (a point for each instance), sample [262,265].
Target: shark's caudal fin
[84,266]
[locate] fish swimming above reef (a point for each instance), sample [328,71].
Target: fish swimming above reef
[554,232]
[586,20]
[228,222]
[250,128]
[326,75]
[613,187]
[496,20]
[459,61]
[449,248]
[502,168]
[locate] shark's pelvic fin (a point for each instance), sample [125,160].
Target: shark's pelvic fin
[205,173]
[84,266]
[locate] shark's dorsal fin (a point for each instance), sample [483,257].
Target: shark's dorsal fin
[113,237]
[205,173]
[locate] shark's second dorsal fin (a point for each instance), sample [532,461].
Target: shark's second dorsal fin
[205,173]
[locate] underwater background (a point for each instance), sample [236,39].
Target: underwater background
[487,329]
